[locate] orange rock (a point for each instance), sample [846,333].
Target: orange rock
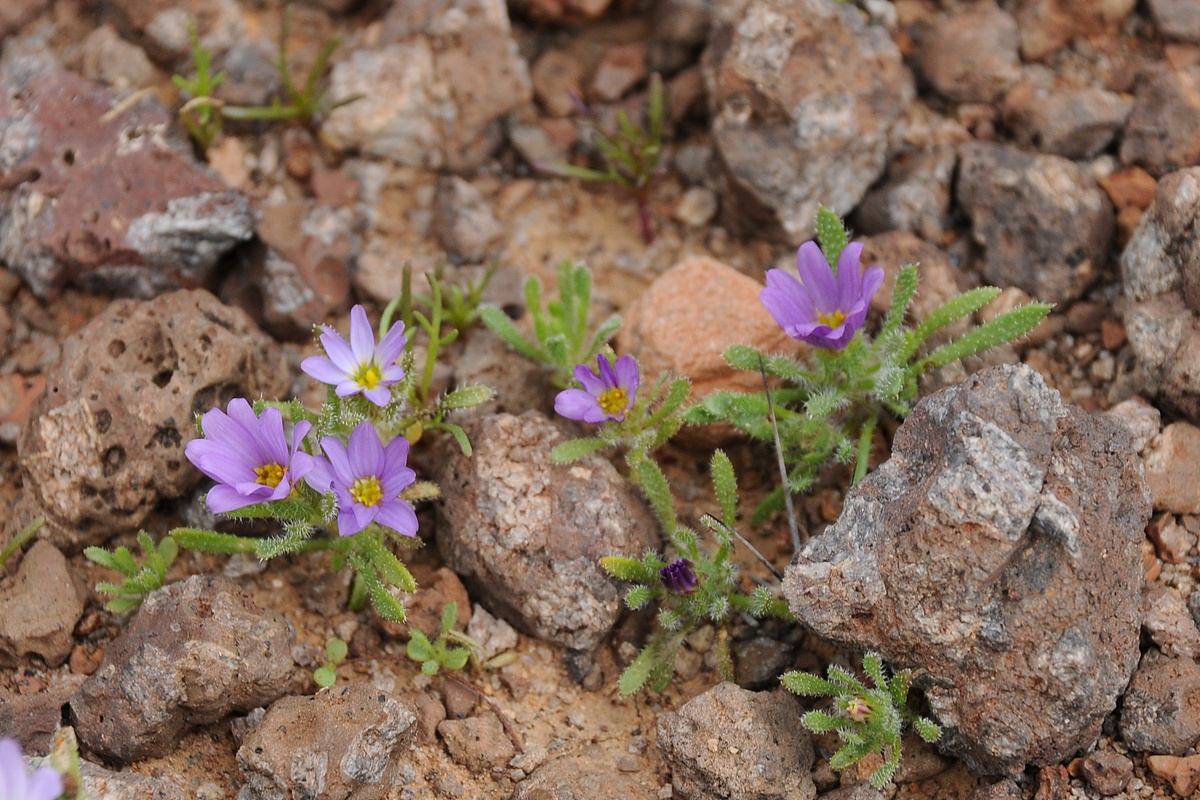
[1183,773]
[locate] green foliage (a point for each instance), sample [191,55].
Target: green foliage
[204,115]
[335,653]
[867,719]
[18,541]
[630,154]
[140,579]
[440,653]
[830,404]
[561,331]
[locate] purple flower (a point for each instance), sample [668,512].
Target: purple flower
[360,367]
[248,456]
[679,576]
[822,309]
[603,397]
[43,784]
[367,479]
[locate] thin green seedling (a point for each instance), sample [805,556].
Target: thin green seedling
[140,579]
[18,541]
[630,154]
[867,719]
[562,334]
[335,653]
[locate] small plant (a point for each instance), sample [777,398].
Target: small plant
[833,401]
[439,653]
[868,720]
[204,115]
[18,541]
[343,467]
[561,331]
[460,303]
[630,155]
[140,579]
[64,757]
[335,653]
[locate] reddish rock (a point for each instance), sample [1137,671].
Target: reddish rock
[478,743]
[1072,123]
[1176,19]
[1160,711]
[621,68]
[1169,623]
[13,16]
[1131,187]
[562,12]
[1182,773]
[1047,25]
[116,207]
[1107,771]
[971,56]
[937,281]
[39,608]
[1163,132]
[1173,469]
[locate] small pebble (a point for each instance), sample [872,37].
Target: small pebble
[1107,772]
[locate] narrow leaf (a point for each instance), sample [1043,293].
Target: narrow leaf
[806,684]
[575,449]
[831,235]
[1003,329]
[467,397]
[499,323]
[628,569]
[953,309]
[637,673]
[725,485]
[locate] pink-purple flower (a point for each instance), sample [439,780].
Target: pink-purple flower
[248,456]
[679,576]
[15,784]
[822,309]
[367,479]
[362,366]
[604,396]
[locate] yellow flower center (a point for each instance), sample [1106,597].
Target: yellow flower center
[369,376]
[367,491]
[832,319]
[269,474]
[613,401]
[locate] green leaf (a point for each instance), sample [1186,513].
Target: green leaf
[902,295]
[449,616]
[325,676]
[390,568]
[808,685]
[575,449]
[953,309]
[638,596]
[385,604]
[927,729]
[654,484]
[873,667]
[467,397]
[430,667]
[275,546]
[637,673]
[499,323]
[456,659]
[820,722]
[1005,328]
[628,569]
[725,485]
[98,555]
[851,754]
[122,604]
[335,651]
[207,541]
[607,330]
[460,436]
[831,235]
[419,647]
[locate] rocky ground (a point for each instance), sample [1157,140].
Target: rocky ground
[1033,562]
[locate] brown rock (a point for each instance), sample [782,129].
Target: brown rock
[1173,469]
[971,56]
[690,315]
[32,718]
[1072,123]
[1169,623]
[526,535]
[39,607]
[117,208]
[557,82]
[105,444]
[583,773]
[430,712]
[1172,541]
[1176,19]
[938,283]
[621,68]
[1045,224]
[13,16]
[1160,711]
[478,743]
[1182,773]
[424,609]
[1163,132]
[1107,771]
[915,197]
[463,221]
[342,742]
[562,12]
[1131,187]
[196,652]
[1047,25]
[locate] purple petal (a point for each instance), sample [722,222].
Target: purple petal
[321,476]
[271,437]
[348,523]
[222,499]
[574,404]
[817,277]
[222,430]
[590,381]
[380,395]
[849,276]
[347,388]
[323,370]
[396,481]
[302,464]
[391,374]
[219,462]
[339,461]
[12,769]
[399,516]
[364,451]
[362,338]
[395,455]
[340,352]
[626,370]
[606,372]
[46,784]
[299,431]
[785,284]
[872,279]
[392,346]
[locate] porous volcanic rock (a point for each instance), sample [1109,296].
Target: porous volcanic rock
[197,651]
[1045,224]
[343,742]
[1160,271]
[803,94]
[105,443]
[526,535]
[119,207]
[997,553]
[761,751]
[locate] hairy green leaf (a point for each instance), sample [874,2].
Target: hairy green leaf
[575,449]
[831,235]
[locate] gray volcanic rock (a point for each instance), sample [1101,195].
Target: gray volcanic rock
[526,535]
[197,651]
[803,94]
[997,554]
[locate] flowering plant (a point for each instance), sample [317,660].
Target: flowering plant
[343,467]
[832,401]
[15,784]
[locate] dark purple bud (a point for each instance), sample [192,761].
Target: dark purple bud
[679,577]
